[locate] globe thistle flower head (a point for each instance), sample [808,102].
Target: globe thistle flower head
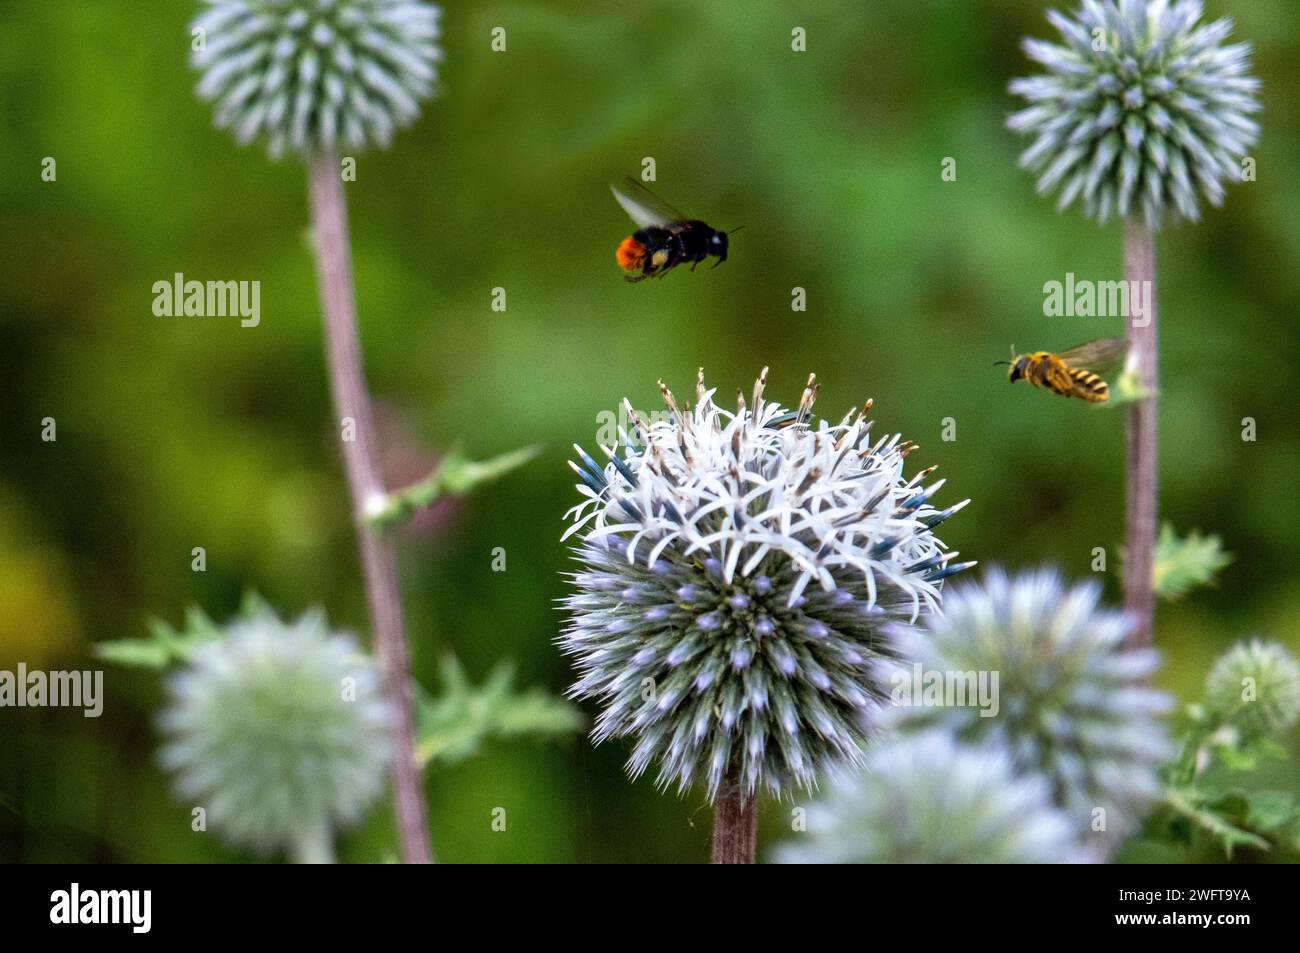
[1255,686]
[1142,107]
[926,799]
[279,731]
[1070,703]
[315,76]
[737,568]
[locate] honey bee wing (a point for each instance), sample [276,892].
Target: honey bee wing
[643,206]
[1097,356]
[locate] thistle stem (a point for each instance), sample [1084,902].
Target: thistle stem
[365,484]
[314,845]
[1140,442]
[734,824]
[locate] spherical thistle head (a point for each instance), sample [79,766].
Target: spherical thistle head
[1255,686]
[316,76]
[927,799]
[279,731]
[1142,107]
[1068,702]
[737,569]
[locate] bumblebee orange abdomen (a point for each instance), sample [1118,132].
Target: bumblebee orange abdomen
[630,254]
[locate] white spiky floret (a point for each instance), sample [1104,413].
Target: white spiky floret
[927,799]
[737,568]
[279,732]
[1142,107]
[1072,704]
[312,76]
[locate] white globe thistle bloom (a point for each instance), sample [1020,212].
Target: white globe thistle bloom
[1071,704]
[312,76]
[737,569]
[1255,686]
[1141,107]
[279,732]
[925,799]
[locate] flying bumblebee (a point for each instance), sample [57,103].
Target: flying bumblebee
[665,238]
[1072,373]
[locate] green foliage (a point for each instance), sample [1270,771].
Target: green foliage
[1212,804]
[455,475]
[1127,390]
[452,726]
[1182,563]
[1212,793]
[167,646]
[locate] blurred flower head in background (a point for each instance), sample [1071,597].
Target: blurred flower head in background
[926,799]
[1255,687]
[737,568]
[314,76]
[279,732]
[1073,705]
[1142,107]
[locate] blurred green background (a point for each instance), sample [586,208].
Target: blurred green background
[183,432]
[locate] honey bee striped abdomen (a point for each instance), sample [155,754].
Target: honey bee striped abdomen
[1075,372]
[1088,386]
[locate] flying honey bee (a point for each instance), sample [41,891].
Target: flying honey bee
[665,238]
[1075,372]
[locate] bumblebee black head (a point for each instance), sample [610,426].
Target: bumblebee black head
[718,245]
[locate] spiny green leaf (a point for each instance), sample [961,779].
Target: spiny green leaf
[1270,810]
[452,726]
[1247,755]
[165,646]
[454,475]
[1183,563]
[1192,805]
[1127,390]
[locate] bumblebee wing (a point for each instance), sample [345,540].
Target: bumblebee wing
[643,206]
[1097,356]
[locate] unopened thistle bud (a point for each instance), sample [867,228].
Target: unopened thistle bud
[1255,686]
[926,799]
[312,76]
[278,731]
[1071,704]
[1142,107]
